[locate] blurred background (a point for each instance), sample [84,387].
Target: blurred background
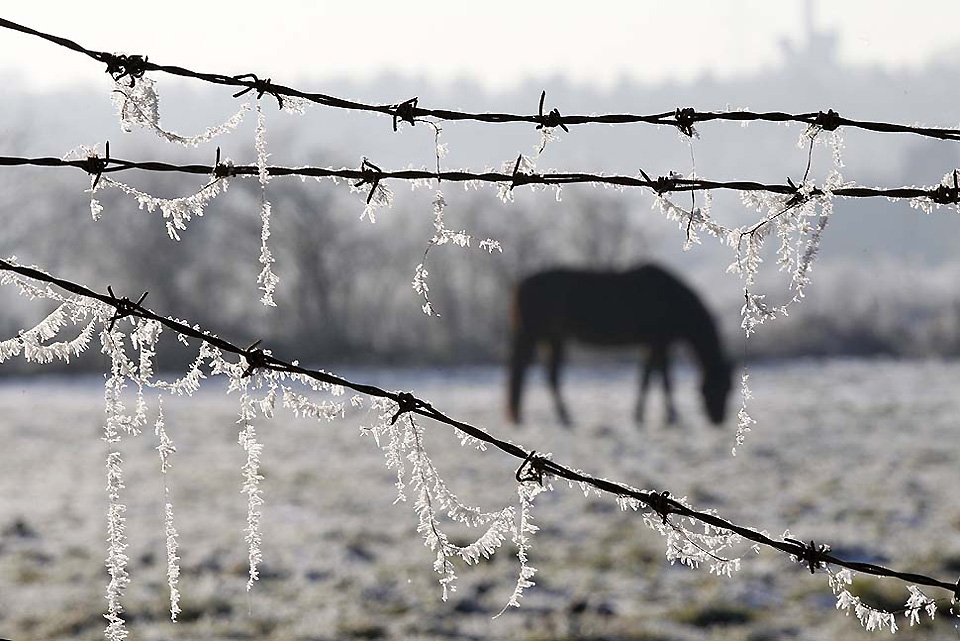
[883,283]
[855,390]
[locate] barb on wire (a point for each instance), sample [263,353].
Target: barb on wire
[517,177]
[404,112]
[261,86]
[370,174]
[658,501]
[829,121]
[121,66]
[811,554]
[531,469]
[95,165]
[552,119]
[661,504]
[223,170]
[682,119]
[406,403]
[946,194]
[662,185]
[124,306]
[256,358]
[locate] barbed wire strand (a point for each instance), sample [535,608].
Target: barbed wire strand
[134,66]
[536,466]
[941,194]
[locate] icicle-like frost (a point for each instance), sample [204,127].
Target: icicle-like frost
[521,532]
[547,136]
[166,449]
[927,204]
[251,479]
[790,218]
[139,106]
[404,449]
[267,279]
[918,602]
[142,335]
[526,165]
[811,135]
[442,235]
[301,405]
[434,496]
[870,618]
[377,195]
[173,561]
[117,423]
[176,212]
[404,445]
[686,546]
[744,420]
[29,342]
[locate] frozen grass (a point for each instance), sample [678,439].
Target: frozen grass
[862,455]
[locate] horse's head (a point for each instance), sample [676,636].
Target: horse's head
[716,388]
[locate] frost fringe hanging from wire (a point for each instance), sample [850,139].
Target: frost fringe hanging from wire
[690,539]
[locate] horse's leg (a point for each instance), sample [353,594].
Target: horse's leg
[662,357]
[521,355]
[555,361]
[646,365]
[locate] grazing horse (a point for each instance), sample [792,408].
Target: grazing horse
[645,306]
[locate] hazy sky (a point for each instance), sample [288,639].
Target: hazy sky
[496,42]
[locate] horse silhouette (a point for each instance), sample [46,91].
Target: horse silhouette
[646,306]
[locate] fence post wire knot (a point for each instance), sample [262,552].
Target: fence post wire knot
[404,112]
[945,194]
[406,402]
[264,86]
[662,504]
[95,165]
[797,198]
[662,185]
[552,119]
[121,66]
[684,120]
[531,469]
[370,174]
[256,359]
[517,177]
[223,169]
[829,121]
[811,554]
[124,307]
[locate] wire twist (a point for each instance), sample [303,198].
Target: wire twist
[405,112]
[261,86]
[121,66]
[124,307]
[813,555]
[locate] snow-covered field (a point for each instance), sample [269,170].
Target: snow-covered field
[862,455]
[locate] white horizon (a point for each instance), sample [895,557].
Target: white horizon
[498,47]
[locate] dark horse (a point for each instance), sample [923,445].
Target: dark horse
[645,306]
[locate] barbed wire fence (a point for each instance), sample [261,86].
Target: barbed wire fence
[796,212]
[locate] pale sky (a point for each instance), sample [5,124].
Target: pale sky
[498,43]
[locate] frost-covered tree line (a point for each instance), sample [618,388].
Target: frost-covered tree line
[908,310]
[790,225]
[338,293]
